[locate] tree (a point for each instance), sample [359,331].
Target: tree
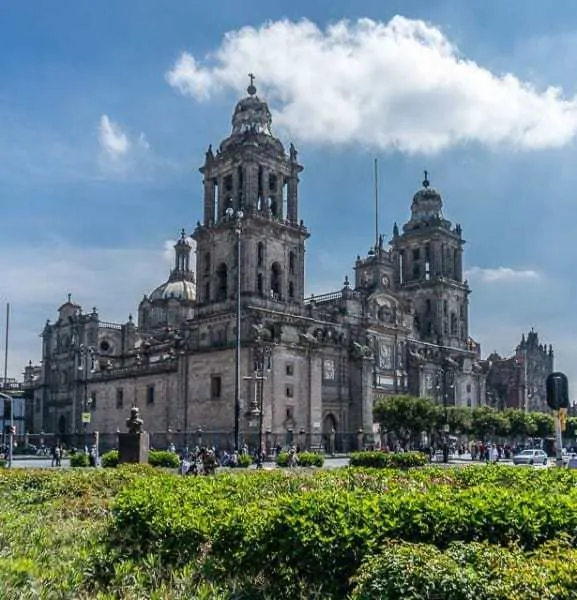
[460,419]
[544,424]
[571,429]
[521,424]
[488,422]
[406,416]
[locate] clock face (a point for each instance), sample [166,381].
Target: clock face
[385,282]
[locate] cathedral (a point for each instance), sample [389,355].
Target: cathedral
[518,381]
[229,344]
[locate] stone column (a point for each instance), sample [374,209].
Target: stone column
[292,197]
[208,200]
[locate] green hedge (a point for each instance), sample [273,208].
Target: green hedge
[163,458]
[244,461]
[315,530]
[385,460]
[467,572]
[79,459]
[3,463]
[311,459]
[306,459]
[109,459]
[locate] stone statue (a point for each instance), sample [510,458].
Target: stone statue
[293,153]
[134,422]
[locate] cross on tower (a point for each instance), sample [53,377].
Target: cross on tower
[251,89]
[426,180]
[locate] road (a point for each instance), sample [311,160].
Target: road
[41,462]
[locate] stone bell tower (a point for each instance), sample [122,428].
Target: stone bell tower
[250,181]
[428,257]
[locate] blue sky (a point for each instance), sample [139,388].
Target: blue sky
[106,109]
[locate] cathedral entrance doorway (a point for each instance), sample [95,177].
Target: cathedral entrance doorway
[330,437]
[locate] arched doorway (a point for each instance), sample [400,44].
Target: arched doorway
[330,436]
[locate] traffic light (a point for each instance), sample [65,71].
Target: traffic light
[557,390]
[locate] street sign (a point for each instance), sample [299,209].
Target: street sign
[86,417]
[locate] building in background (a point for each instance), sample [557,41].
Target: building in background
[518,381]
[316,365]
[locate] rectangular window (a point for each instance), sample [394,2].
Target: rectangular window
[290,369]
[428,305]
[468,388]
[215,386]
[289,412]
[289,391]
[92,400]
[416,253]
[445,307]
[119,398]
[150,394]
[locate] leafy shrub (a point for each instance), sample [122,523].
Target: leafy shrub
[244,461]
[163,458]
[384,460]
[466,572]
[79,459]
[311,459]
[305,459]
[3,463]
[109,459]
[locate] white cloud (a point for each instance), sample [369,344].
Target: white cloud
[502,274]
[398,85]
[143,142]
[113,141]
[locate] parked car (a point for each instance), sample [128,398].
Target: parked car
[530,457]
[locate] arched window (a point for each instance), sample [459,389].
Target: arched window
[207,263]
[207,291]
[291,263]
[259,283]
[453,323]
[260,254]
[222,282]
[275,281]
[291,290]
[240,180]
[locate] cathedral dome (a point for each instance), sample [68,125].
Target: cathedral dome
[427,203]
[181,290]
[251,114]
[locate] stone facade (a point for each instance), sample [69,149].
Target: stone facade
[518,381]
[401,327]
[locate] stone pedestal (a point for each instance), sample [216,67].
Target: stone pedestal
[133,447]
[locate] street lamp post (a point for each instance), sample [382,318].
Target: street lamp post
[11,429]
[238,216]
[86,353]
[262,361]
[444,373]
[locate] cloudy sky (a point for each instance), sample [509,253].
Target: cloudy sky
[106,109]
